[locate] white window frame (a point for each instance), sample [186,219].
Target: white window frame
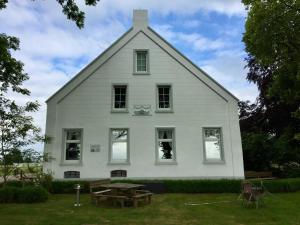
[119,110]
[135,71]
[164,110]
[64,161]
[173,140]
[110,159]
[222,157]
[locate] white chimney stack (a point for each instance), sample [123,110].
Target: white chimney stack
[140,18]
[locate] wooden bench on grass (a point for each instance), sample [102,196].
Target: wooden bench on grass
[141,195]
[95,191]
[113,198]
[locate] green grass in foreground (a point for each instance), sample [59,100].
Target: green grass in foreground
[166,209]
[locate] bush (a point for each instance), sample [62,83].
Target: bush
[188,186]
[9,194]
[203,186]
[28,194]
[66,187]
[17,183]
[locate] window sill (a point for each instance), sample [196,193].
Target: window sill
[70,164]
[118,163]
[164,111]
[119,111]
[214,162]
[141,73]
[165,163]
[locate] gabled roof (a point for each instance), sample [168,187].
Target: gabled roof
[121,42]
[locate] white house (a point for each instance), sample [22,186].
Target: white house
[141,109]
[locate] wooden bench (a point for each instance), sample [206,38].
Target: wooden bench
[114,198]
[261,174]
[141,195]
[95,191]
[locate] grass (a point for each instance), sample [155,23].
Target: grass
[166,209]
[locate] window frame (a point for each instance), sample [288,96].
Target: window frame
[112,162]
[164,110]
[119,110]
[158,161]
[64,161]
[135,71]
[222,155]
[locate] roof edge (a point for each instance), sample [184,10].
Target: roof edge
[197,67]
[93,61]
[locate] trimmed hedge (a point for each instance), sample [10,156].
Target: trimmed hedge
[180,186]
[188,186]
[30,194]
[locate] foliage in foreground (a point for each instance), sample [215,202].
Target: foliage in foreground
[29,194]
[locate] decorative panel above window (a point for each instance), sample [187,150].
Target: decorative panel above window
[213,146]
[119,98]
[141,62]
[164,98]
[72,145]
[119,152]
[165,145]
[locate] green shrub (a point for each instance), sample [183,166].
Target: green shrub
[9,194]
[32,195]
[188,186]
[29,194]
[17,183]
[65,187]
[203,186]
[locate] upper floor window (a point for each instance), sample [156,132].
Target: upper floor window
[141,61]
[164,98]
[119,98]
[72,144]
[213,147]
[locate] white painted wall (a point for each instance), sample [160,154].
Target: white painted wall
[196,106]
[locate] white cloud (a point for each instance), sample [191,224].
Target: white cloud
[228,68]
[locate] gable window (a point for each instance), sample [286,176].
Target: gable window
[213,149]
[164,98]
[72,145]
[141,61]
[165,142]
[119,98]
[119,152]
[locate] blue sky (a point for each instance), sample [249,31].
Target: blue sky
[208,32]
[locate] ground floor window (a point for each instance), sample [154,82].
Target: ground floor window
[165,138]
[119,152]
[213,149]
[73,144]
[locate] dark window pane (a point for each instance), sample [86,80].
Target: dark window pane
[119,135]
[72,151]
[71,174]
[165,150]
[74,135]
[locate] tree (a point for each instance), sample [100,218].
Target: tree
[69,8]
[17,130]
[272,40]
[16,127]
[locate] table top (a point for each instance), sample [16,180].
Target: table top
[122,186]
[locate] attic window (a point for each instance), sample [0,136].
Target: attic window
[141,61]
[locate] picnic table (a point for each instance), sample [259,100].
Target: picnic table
[125,193]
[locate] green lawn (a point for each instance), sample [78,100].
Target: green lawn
[166,209]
